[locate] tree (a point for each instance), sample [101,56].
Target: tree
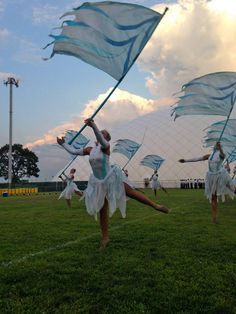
[24,163]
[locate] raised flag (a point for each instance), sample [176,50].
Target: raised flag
[108,35]
[152,161]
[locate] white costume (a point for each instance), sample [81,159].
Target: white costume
[71,187]
[155,182]
[218,180]
[106,181]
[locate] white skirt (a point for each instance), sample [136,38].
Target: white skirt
[111,188]
[219,183]
[156,185]
[69,190]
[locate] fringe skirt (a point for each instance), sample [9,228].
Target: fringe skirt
[111,188]
[219,183]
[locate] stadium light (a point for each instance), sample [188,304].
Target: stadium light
[10,81]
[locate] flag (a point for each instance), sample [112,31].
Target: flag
[152,161]
[126,147]
[108,35]
[228,138]
[211,94]
[80,142]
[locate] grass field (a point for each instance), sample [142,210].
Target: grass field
[155,263]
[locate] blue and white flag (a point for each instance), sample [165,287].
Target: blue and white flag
[211,94]
[214,131]
[126,147]
[227,139]
[80,142]
[152,161]
[108,35]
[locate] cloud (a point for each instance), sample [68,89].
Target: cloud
[121,107]
[2,6]
[27,52]
[5,76]
[194,38]
[4,34]
[46,14]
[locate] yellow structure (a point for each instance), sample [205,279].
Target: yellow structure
[19,191]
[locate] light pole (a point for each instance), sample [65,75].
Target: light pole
[10,81]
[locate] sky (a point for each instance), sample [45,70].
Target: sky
[193,39]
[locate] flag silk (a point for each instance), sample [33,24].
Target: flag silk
[228,139]
[152,161]
[211,94]
[126,147]
[80,142]
[108,35]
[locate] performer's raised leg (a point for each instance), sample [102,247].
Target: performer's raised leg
[142,198]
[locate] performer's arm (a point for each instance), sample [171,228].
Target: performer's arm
[62,178]
[99,136]
[72,150]
[222,154]
[205,157]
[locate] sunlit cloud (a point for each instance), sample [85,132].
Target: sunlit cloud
[194,38]
[121,107]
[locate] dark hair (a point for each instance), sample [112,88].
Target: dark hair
[108,134]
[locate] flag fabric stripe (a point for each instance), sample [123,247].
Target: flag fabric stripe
[126,147]
[108,35]
[152,161]
[211,94]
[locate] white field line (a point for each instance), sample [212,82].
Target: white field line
[69,243]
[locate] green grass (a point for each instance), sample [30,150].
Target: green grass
[155,263]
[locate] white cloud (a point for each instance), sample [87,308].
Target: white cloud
[27,52]
[5,76]
[122,107]
[194,38]
[2,6]
[46,14]
[4,34]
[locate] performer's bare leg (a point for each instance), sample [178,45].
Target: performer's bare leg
[78,193]
[104,224]
[68,201]
[214,207]
[155,192]
[142,198]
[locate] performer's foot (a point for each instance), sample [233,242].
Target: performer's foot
[104,243]
[163,209]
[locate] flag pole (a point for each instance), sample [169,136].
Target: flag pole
[136,150]
[227,120]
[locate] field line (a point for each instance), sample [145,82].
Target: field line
[69,243]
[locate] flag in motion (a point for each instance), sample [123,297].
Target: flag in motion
[126,147]
[108,35]
[211,94]
[152,161]
[228,139]
[80,142]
